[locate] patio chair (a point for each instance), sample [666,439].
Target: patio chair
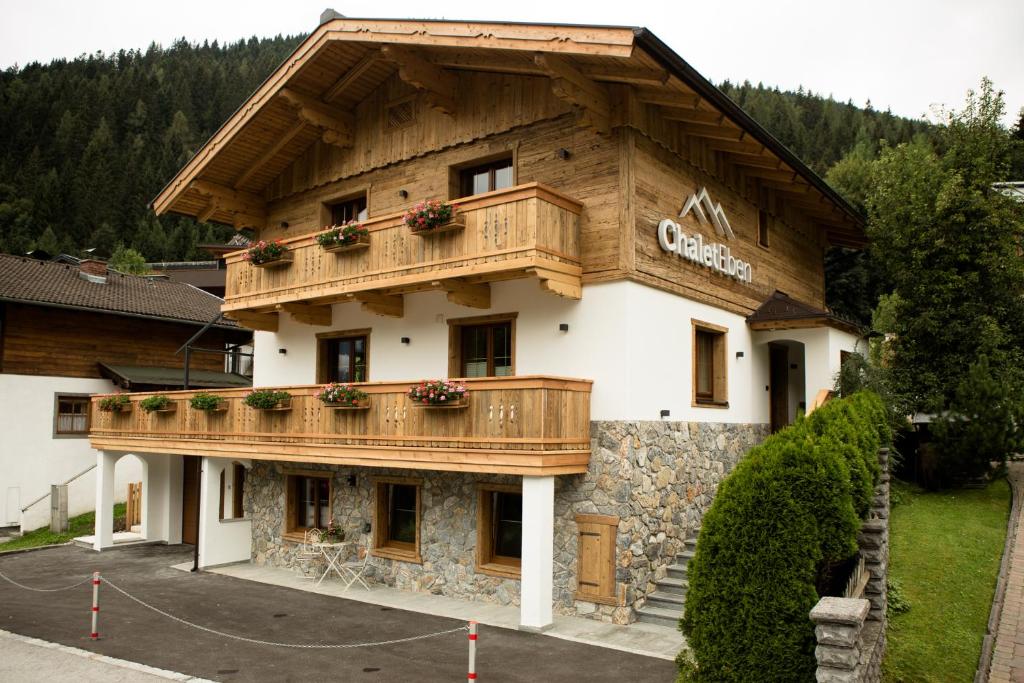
[307,559]
[357,566]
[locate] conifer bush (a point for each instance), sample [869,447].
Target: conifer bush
[789,511]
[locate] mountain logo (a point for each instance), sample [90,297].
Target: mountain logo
[701,205]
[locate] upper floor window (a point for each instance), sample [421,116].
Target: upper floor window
[710,383]
[343,357]
[351,209]
[494,175]
[72,416]
[482,346]
[763,228]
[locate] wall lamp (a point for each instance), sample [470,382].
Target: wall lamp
[282,351]
[563,327]
[739,354]
[404,194]
[563,154]
[665,413]
[351,480]
[284,225]
[405,340]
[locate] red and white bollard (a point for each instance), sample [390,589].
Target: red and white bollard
[95,605]
[472,652]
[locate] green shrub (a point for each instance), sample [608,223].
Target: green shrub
[788,512]
[155,402]
[205,401]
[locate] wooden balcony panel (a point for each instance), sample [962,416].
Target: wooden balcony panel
[509,233]
[513,425]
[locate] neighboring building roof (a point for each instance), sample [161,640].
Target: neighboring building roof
[345,59]
[134,376]
[1014,190]
[782,312]
[46,283]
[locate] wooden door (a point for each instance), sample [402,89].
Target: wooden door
[596,561]
[189,499]
[779,383]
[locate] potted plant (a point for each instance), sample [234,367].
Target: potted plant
[432,217]
[343,397]
[158,403]
[268,399]
[265,254]
[118,403]
[207,402]
[438,393]
[334,533]
[337,239]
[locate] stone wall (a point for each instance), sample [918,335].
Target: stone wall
[658,477]
[851,631]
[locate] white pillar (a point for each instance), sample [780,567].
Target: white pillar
[104,533]
[537,561]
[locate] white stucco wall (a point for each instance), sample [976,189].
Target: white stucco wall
[31,459]
[221,541]
[634,341]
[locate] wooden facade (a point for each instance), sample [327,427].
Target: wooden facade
[513,425]
[43,340]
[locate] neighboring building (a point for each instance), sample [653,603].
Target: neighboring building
[611,291]
[66,331]
[206,275]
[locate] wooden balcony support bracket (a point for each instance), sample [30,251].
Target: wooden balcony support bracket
[308,314]
[568,84]
[338,126]
[230,199]
[265,322]
[465,293]
[440,87]
[562,284]
[390,305]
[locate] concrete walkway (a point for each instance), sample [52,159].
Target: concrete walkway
[1008,656]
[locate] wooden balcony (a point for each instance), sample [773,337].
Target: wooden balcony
[526,231]
[529,425]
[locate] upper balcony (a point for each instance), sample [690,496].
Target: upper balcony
[525,231]
[528,425]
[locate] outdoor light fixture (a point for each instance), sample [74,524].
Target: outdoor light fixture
[665,413]
[563,154]
[282,351]
[739,354]
[366,527]
[405,340]
[284,225]
[403,194]
[351,480]
[563,327]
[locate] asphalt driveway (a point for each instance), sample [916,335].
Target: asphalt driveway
[271,613]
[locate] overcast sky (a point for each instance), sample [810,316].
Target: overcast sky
[907,55]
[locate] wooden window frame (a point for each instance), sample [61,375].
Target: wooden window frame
[289,530]
[65,396]
[486,561]
[220,505]
[322,340]
[382,545]
[239,475]
[614,593]
[455,326]
[764,237]
[720,366]
[456,171]
[326,210]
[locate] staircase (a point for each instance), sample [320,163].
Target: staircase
[664,606]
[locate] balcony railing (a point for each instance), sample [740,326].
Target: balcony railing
[530,425]
[525,231]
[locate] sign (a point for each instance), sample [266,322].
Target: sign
[693,248]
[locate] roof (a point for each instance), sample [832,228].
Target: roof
[312,95]
[134,376]
[782,312]
[46,283]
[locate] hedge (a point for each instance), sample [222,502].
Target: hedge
[787,512]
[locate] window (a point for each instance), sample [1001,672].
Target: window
[238,491]
[482,346]
[308,502]
[342,356]
[71,415]
[220,506]
[352,209]
[500,530]
[494,175]
[238,359]
[397,519]
[709,367]
[763,221]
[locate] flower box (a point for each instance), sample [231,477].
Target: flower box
[281,261]
[358,245]
[347,406]
[433,217]
[170,408]
[269,400]
[461,403]
[118,409]
[283,404]
[457,224]
[438,393]
[339,239]
[340,396]
[208,403]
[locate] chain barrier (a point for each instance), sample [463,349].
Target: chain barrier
[256,641]
[43,590]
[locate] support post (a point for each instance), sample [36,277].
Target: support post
[104,531]
[537,561]
[471,676]
[58,508]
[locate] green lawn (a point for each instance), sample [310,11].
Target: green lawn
[945,550]
[82,525]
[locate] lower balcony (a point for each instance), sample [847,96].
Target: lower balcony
[529,425]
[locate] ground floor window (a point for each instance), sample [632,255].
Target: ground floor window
[308,502]
[500,529]
[710,377]
[238,490]
[396,522]
[71,417]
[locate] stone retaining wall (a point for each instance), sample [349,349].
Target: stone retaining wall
[658,477]
[851,631]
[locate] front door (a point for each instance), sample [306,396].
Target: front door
[190,499]
[779,382]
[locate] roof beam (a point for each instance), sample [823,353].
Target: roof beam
[390,305]
[667,98]
[251,207]
[751,148]
[271,152]
[438,86]
[699,130]
[206,213]
[688,115]
[351,76]
[611,73]
[568,84]
[266,322]
[308,314]
[338,126]
[464,293]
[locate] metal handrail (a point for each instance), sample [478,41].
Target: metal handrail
[46,495]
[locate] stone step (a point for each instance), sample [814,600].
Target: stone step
[660,616]
[691,543]
[677,571]
[662,600]
[671,584]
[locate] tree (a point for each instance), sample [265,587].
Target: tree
[125,260]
